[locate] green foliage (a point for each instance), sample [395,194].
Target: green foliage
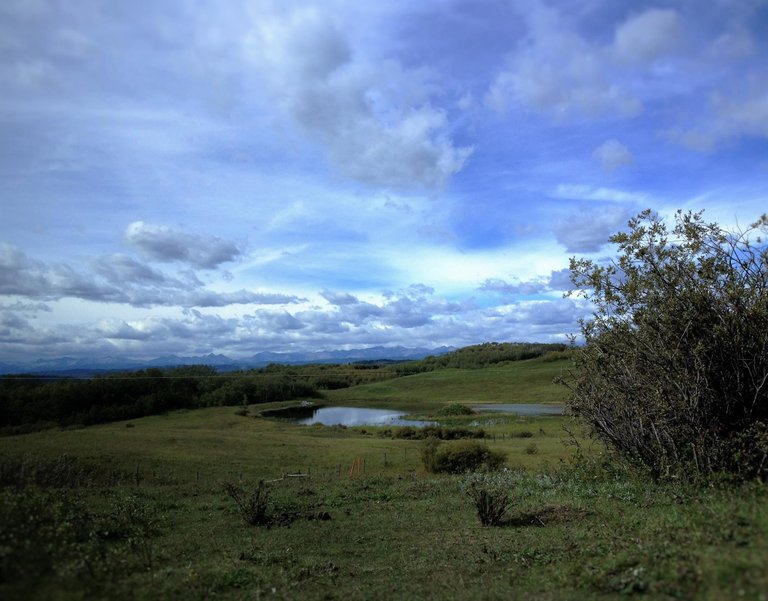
[429,450]
[435,432]
[479,356]
[461,456]
[454,409]
[29,404]
[674,373]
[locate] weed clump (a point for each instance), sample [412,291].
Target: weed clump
[253,506]
[490,496]
[460,456]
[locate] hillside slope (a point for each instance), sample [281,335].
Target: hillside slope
[529,381]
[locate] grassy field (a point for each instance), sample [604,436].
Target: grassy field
[139,511]
[528,381]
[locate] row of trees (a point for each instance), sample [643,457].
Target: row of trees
[29,402]
[480,356]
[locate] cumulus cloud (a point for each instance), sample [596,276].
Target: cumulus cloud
[513,288]
[121,268]
[25,307]
[589,230]
[743,112]
[561,312]
[647,36]
[558,72]
[388,322]
[613,155]
[408,308]
[339,298]
[560,280]
[116,279]
[163,244]
[557,280]
[376,119]
[736,43]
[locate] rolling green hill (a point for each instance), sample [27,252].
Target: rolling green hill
[529,381]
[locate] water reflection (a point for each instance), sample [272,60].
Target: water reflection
[364,416]
[344,416]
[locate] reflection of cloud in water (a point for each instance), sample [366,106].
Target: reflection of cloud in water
[363,416]
[358,416]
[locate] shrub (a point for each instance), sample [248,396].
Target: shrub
[429,453]
[674,373]
[490,496]
[463,456]
[531,449]
[454,409]
[253,505]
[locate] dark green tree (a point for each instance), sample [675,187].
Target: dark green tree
[674,371]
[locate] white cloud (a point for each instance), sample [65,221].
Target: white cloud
[647,36]
[587,192]
[613,155]
[740,113]
[558,72]
[376,119]
[736,43]
[745,114]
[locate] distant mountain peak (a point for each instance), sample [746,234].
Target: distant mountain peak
[62,365]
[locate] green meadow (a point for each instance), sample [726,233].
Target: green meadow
[140,509]
[530,381]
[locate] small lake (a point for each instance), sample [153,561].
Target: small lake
[528,409]
[344,416]
[363,416]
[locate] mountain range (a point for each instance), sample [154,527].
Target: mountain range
[91,365]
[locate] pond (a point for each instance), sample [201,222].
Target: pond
[345,416]
[364,416]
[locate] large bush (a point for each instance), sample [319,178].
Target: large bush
[674,372]
[460,456]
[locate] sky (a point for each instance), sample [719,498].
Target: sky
[229,176]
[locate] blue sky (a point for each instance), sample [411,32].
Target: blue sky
[239,176]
